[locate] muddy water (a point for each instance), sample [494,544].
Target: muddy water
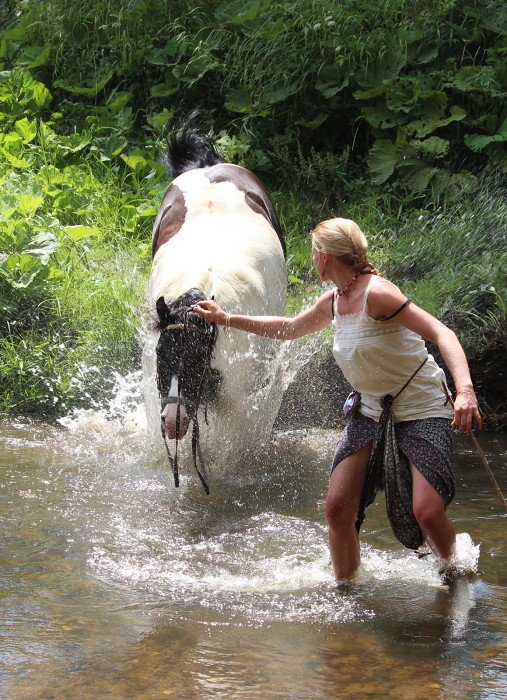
[116,585]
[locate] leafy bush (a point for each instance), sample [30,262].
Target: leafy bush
[75,219]
[417,87]
[388,113]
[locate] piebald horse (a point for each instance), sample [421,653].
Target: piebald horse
[216,235]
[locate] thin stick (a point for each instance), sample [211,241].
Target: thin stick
[488,468]
[481,455]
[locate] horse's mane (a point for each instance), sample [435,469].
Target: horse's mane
[188,148]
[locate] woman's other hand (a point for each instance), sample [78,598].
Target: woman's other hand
[466,410]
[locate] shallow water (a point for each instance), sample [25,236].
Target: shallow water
[114,584]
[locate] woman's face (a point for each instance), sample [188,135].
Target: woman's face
[318,262]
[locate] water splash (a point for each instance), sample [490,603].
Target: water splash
[133,407]
[241,551]
[125,402]
[409,567]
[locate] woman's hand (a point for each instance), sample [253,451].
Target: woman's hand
[465,410]
[211,312]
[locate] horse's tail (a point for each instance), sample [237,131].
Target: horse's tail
[189,148]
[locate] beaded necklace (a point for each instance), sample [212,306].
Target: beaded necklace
[343,291]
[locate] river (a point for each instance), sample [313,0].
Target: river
[114,584]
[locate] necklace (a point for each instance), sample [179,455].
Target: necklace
[343,291]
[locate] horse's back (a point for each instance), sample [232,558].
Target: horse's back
[222,189]
[224,248]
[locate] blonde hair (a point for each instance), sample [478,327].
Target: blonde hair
[344,239]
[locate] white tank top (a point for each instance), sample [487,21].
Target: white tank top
[377,358]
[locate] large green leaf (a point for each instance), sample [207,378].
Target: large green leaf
[42,246]
[138,162]
[28,204]
[433,147]
[315,122]
[385,67]
[34,56]
[273,94]
[77,233]
[94,86]
[34,94]
[239,101]
[431,120]
[478,142]
[74,142]
[26,129]
[382,160]
[423,50]
[20,270]
[371,93]
[453,185]
[195,69]
[334,77]
[14,160]
[416,174]
[167,88]
[380,117]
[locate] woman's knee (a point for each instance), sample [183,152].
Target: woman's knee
[345,488]
[429,512]
[427,504]
[340,510]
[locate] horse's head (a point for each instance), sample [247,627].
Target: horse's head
[184,352]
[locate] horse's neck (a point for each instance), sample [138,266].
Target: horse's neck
[174,285]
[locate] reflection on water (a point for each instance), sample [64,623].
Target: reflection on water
[114,584]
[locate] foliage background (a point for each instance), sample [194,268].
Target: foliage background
[392,113]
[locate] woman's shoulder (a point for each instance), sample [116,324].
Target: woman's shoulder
[380,286]
[323,306]
[383,298]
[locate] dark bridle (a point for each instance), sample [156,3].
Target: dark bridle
[185,328]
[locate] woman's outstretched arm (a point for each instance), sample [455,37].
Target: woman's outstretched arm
[308,321]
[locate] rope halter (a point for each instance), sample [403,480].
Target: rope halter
[191,407]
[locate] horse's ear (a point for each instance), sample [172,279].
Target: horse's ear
[163,311]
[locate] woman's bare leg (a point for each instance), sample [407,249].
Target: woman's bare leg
[429,512]
[342,506]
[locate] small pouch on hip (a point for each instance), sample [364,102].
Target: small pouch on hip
[351,403]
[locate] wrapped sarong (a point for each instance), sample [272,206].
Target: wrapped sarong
[426,442]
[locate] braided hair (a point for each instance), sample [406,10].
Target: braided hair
[344,239]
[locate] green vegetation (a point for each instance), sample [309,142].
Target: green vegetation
[394,115]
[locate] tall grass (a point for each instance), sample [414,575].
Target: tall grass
[452,260]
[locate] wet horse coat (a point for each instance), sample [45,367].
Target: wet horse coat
[217,236]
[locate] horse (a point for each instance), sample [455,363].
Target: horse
[216,236]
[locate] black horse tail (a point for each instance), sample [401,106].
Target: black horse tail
[188,148]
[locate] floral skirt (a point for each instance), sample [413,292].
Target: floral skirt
[427,443]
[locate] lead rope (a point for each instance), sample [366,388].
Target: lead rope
[183,343]
[196,448]
[173,461]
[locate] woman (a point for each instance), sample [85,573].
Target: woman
[380,349]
